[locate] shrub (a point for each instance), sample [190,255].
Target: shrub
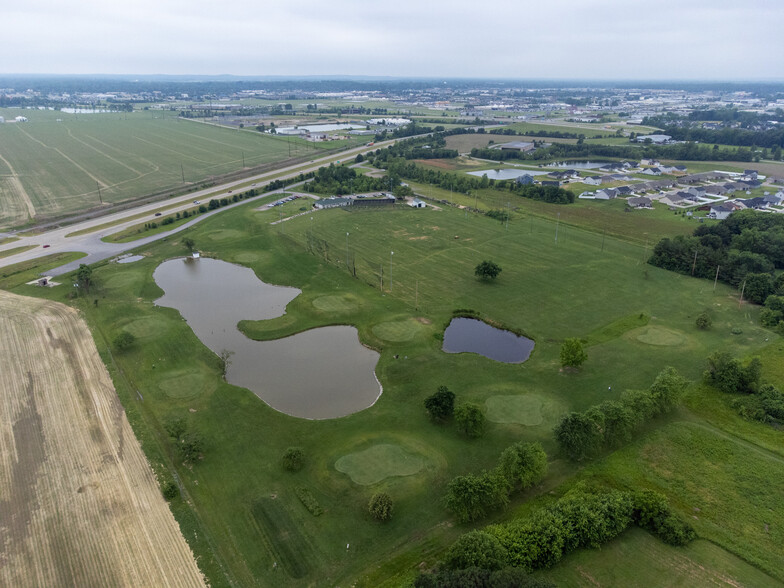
[124,341]
[170,490]
[703,321]
[487,270]
[309,501]
[522,465]
[440,405]
[380,506]
[470,420]
[190,446]
[572,353]
[476,549]
[471,497]
[293,459]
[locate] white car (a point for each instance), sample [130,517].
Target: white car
[196,202]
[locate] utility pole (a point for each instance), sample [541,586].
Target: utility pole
[716,279]
[694,263]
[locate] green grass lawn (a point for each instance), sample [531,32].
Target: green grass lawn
[244,512]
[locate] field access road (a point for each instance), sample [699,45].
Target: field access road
[90,243]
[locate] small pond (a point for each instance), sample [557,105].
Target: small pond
[506,174]
[318,374]
[475,336]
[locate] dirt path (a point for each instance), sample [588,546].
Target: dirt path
[79,505]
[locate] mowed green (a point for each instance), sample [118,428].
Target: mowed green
[379,462]
[241,514]
[57,161]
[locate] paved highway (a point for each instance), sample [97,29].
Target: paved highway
[97,250]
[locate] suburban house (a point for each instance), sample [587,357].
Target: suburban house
[518,146]
[606,194]
[749,174]
[674,200]
[639,202]
[757,203]
[775,199]
[716,190]
[593,180]
[553,183]
[525,179]
[587,195]
[417,203]
[653,162]
[722,211]
[563,175]
[652,171]
[624,190]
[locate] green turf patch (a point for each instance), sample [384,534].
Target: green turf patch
[283,535]
[378,463]
[398,331]
[523,410]
[225,235]
[146,327]
[335,303]
[617,328]
[659,336]
[122,280]
[248,256]
[182,385]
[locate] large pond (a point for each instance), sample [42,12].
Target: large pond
[506,174]
[318,374]
[576,164]
[475,336]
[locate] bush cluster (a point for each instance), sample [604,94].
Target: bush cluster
[472,496]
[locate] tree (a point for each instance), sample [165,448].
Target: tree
[440,405]
[476,549]
[487,270]
[523,465]
[380,506]
[293,459]
[84,276]
[124,341]
[188,243]
[470,420]
[470,497]
[572,353]
[703,321]
[578,436]
[190,446]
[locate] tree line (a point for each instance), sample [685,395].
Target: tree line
[745,248]
[612,423]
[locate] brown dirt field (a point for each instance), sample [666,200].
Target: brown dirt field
[79,505]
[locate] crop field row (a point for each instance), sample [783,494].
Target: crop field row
[80,505]
[51,168]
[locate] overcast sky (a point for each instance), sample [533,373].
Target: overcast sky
[589,39]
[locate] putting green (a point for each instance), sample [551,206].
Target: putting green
[398,331]
[248,256]
[379,462]
[183,384]
[335,303]
[122,280]
[226,235]
[521,409]
[146,327]
[659,336]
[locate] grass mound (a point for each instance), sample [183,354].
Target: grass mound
[247,256]
[398,331]
[617,328]
[182,385]
[335,303]
[379,462]
[146,327]
[660,336]
[529,410]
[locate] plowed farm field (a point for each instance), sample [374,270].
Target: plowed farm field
[79,504]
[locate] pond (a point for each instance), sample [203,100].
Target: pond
[506,174]
[475,336]
[576,164]
[318,374]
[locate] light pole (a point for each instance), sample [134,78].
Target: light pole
[391,253]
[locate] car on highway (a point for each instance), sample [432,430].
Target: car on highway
[157,214]
[197,202]
[252,185]
[45,246]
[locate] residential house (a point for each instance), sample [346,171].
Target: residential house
[417,203]
[652,171]
[606,194]
[757,203]
[525,179]
[722,210]
[554,183]
[639,202]
[593,180]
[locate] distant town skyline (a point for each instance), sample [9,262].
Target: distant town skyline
[559,39]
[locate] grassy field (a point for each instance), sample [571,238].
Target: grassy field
[52,168]
[246,520]
[81,506]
